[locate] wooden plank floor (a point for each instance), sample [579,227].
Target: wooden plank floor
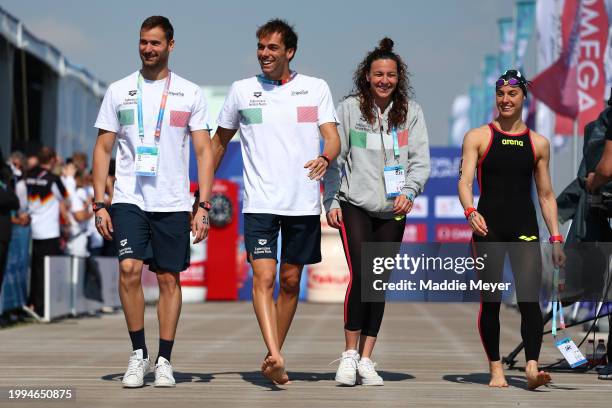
[428,354]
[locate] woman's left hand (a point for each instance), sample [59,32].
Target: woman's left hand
[558,256]
[402,205]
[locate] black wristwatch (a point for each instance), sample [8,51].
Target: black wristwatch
[98,205]
[205,205]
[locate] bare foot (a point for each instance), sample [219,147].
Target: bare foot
[536,379]
[498,379]
[275,370]
[266,367]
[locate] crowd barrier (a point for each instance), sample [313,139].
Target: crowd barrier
[75,286]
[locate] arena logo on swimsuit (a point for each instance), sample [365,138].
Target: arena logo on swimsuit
[512,142]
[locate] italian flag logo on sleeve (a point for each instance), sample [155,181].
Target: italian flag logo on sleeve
[251,116]
[307,114]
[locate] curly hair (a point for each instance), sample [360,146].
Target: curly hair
[401,94]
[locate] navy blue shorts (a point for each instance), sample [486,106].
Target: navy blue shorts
[159,239]
[300,243]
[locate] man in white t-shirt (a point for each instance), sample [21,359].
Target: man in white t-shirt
[79,216]
[152,113]
[281,116]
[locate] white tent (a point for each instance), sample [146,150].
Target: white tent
[56,100]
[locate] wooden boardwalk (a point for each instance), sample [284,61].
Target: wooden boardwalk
[428,354]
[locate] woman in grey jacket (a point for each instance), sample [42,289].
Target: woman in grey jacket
[371,186]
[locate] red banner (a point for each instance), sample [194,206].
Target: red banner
[556,86]
[590,66]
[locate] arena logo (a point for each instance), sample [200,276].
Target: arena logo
[512,142]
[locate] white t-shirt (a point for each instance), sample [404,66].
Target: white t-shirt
[95,239]
[79,230]
[45,191]
[279,131]
[186,111]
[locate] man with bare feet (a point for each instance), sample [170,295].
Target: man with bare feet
[281,116]
[508,157]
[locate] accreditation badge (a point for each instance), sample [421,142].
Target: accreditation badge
[147,159]
[572,354]
[395,177]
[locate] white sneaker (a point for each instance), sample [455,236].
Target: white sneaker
[367,373]
[163,373]
[138,367]
[347,370]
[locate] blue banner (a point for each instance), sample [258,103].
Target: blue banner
[525,18]
[506,43]
[490,73]
[15,284]
[476,105]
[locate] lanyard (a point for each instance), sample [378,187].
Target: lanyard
[396,151]
[276,82]
[556,304]
[162,109]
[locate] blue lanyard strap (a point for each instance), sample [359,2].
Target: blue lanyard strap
[556,304]
[396,151]
[162,108]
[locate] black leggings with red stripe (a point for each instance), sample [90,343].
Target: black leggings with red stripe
[359,227]
[526,263]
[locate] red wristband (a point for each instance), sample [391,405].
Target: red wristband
[555,238]
[468,211]
[325,157]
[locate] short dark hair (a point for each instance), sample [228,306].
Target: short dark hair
[290,38]
[159,21]
[46,155]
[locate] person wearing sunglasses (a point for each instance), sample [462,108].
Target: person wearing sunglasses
[507,156]
[385,158]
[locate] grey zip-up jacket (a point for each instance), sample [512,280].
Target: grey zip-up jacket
[357,174]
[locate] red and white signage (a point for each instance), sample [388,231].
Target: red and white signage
[415,233]
[420,208]
[453,233]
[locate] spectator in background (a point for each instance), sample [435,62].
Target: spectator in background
[68,170]
[80,215]
[17,162]
[8,203]
[31,162]
[96,246]
[594,182]
[79,159]
[46,195]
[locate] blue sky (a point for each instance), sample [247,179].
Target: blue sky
[442,41]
